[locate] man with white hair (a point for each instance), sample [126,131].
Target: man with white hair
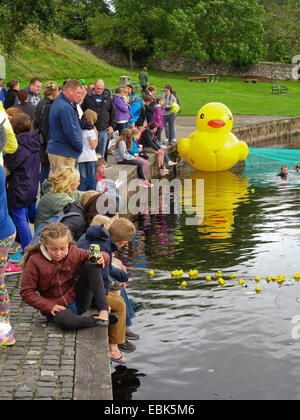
[100,101]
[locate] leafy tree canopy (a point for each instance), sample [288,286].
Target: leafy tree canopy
[16,15]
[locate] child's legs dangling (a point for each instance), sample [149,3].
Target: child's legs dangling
[5,244]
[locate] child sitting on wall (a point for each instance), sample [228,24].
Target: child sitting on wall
[123,157]
[119,278]
[119,233]
[105,185]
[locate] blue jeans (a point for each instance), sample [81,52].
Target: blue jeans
[102,143]
[88,176]
[20,220]
[44,174]
[158,135]
[121,126]
[130,314]
[169,123]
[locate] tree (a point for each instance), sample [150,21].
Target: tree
[216,30]
[74,14]
[16,15]
[282,31]
[112,31]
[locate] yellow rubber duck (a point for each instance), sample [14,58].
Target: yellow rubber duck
[233,276]
[258,289]
[268,279]
[151,273]
[208,279]
[241,282]
[221,282]
[297,277]
[212,147]
[257,279]
[183,285]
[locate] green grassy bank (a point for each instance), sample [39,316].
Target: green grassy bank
[58,59]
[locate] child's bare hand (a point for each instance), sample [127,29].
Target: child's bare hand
[101,261]
[57,308]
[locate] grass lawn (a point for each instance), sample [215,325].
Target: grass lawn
[58,59]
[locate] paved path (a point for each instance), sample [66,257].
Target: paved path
[42,364]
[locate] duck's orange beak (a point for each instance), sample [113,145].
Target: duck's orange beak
[216,123]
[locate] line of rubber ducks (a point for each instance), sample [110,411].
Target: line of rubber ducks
[193,275]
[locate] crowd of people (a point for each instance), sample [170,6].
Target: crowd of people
[55,153]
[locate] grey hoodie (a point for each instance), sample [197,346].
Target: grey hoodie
[121,153]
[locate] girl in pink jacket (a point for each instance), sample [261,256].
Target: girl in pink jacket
[158,117]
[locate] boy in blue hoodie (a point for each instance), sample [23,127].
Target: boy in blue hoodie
[118,234]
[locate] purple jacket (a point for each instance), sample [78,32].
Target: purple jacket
[24,168]
[122,109]
[158,116]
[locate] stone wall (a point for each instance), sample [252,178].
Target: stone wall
[264,69]
[269,133]
[113,57]
[181,64]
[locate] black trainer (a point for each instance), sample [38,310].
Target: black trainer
[131,335]
[127,347]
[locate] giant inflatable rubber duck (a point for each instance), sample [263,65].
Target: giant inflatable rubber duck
[212,147]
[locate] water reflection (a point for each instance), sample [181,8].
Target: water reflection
[207,342]
[223,192]
[125,382]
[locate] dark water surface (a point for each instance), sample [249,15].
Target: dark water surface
[208,342]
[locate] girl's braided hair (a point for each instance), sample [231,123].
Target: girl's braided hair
[50,231]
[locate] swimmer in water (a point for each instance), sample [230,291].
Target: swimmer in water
[283,172]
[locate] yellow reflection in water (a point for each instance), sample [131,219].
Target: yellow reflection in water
[223,192]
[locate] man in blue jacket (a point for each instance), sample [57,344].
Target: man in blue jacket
[65,143]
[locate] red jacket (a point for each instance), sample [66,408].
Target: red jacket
[55,282]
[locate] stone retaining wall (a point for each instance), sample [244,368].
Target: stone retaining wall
[270,132]
[263,69]
[183,64]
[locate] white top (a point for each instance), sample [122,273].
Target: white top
[88,154]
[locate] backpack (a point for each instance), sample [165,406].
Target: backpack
[59,218]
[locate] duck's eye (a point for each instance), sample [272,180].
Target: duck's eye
[202,116]
[230,117]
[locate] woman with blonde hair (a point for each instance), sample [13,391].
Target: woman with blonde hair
[60,191]
[42,125]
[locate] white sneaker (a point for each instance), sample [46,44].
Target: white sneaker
[163,147]
[171,163]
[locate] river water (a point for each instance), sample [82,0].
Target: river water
[206,341]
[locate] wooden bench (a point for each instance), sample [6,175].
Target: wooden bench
[199,79]
[279,89]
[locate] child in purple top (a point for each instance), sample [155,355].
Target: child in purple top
[158,117]
[122,109]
